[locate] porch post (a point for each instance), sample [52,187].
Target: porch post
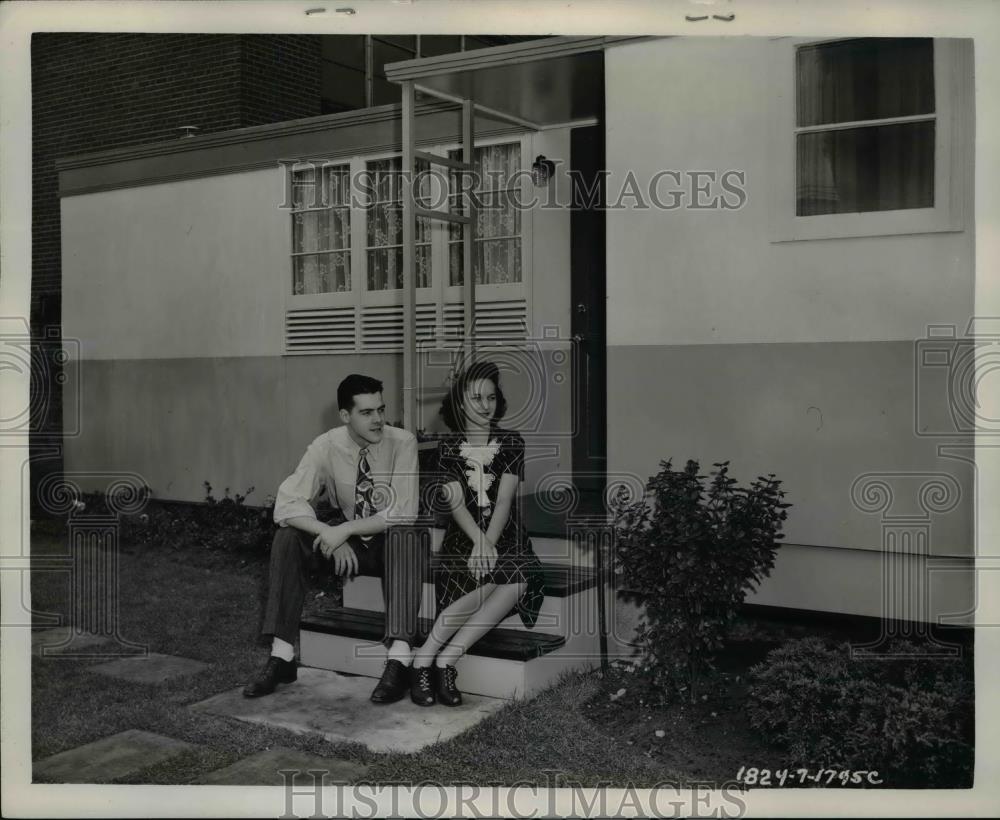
[469,230]
[409,264]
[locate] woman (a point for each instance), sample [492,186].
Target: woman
[487,569]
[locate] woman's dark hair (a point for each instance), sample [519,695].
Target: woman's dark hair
[355,385]
[452,410]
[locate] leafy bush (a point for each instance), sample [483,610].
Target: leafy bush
[906,716]
[692,552]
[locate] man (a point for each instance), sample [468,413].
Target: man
[369,470]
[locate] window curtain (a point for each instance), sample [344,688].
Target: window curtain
[866,168]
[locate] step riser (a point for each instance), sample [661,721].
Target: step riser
[561,551]
[572,615]
[492,677]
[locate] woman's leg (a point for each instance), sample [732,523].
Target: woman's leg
[493,610]
[449,620]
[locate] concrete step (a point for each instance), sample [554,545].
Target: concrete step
[503,664]
[569,608]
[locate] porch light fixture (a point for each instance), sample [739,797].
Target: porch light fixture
[542,170]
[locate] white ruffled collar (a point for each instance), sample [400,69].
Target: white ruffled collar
[477,458]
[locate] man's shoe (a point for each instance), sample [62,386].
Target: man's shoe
[276,671]
[422,686]
[445,689]
[393,684]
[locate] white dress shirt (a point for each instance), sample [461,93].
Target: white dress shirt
[331,463]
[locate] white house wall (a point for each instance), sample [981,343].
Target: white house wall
[184,269]
[793,358]
[175,293]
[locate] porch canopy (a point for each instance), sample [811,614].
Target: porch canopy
[537,84]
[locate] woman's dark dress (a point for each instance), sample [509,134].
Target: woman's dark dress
[516,561]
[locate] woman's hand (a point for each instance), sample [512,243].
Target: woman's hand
[483,557]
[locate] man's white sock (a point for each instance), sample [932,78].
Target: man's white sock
[282,649]
[400,651]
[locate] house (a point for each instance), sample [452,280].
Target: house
[781,275]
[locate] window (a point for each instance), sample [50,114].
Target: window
[869,136]
[384,219]
[321,236]
[347,252]
[883,160]
[497,254]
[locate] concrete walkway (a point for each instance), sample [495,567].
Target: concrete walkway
[338,708]
[334,706]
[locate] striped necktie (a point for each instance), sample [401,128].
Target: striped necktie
[363,490]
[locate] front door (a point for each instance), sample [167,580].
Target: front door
[588,325]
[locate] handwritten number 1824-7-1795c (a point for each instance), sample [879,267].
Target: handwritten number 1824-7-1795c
[754,776]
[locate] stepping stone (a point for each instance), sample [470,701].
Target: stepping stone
[151,668]
[263,769]
[110,757]
[337,708]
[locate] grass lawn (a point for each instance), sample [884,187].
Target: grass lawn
[206,605]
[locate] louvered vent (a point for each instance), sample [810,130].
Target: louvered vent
[334,329]
[320,330]
[382,327]
[498,322]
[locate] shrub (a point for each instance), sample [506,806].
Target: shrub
[692,552]
[906,716]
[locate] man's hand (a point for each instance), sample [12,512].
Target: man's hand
[345,560]
[329,539]
[332,542]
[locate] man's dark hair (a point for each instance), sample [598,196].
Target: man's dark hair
[355,385]
[451,408]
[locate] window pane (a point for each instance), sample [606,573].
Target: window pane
[304,191]
[498,216]
[877,168]
[337,185]
[385,268]
[495,167]
[864,79]
[348,49]
[305,232]
[385,226]
[455,269]
[496,261]
[321,273]
[344,87]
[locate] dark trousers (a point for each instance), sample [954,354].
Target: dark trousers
[400,563]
